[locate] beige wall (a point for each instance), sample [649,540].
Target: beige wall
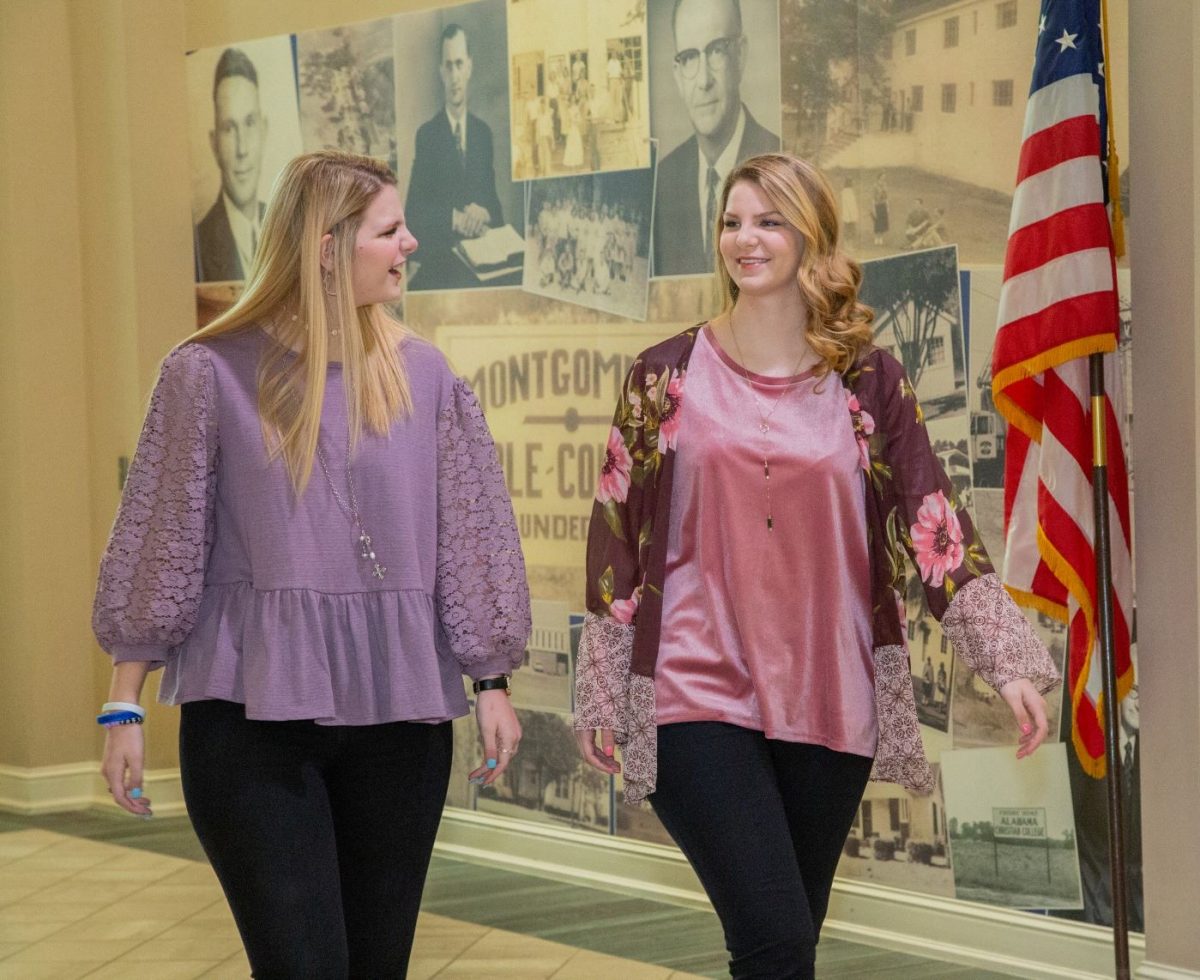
[45,526]
[96,286]
[1165,128]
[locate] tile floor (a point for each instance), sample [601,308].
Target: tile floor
[60,918]
[99,896]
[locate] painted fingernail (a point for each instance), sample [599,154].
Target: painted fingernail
[608,751]
[135,793]
[491,763]
[1026,728]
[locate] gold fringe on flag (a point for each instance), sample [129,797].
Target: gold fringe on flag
[1114,166]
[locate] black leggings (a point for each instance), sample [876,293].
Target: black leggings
[762,823]
[319,835]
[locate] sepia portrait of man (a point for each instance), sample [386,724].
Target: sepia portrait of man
[710,53]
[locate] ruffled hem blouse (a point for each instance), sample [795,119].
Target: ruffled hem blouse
[247,593]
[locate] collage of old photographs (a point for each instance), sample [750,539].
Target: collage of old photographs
[557,160]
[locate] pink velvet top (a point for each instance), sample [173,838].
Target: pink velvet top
[769,629]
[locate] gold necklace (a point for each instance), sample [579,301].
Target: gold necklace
[764,419]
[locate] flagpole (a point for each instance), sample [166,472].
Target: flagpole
[1112,709]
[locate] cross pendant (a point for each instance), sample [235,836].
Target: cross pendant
[379,570]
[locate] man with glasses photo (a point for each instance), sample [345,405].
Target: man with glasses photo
[710,58]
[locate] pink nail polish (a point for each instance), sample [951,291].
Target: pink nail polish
[608,751]
[1026,729]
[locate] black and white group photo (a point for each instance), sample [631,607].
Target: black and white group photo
[589,240]
[578,93]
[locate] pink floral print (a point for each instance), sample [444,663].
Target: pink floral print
[614,474]
[668,426]
[937,539]
[623,610]
[864,426]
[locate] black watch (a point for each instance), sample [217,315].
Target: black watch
[493,684]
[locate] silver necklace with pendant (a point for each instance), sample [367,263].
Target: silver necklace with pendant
[350,509]
[764,419]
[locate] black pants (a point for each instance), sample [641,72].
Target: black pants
[319,835]
[762,822]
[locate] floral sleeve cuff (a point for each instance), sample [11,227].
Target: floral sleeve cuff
[602,674]
[607,695]
[900,754]
[994,638]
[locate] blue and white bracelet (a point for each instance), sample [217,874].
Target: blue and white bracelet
[113,713]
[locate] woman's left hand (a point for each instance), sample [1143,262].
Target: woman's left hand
[1029,708]
[501,734]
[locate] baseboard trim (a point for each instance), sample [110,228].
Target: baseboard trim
[48,789]
[34,791]
[923,925]
[1161,971]
[960,932]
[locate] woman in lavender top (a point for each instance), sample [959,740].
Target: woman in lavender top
[315,542]
[768,475]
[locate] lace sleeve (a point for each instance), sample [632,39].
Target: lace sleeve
[994,639]
[481,591]
[602,674]
[152,572]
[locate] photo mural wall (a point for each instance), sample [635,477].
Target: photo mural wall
[549,155]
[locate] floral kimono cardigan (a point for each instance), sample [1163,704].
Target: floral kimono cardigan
[911,508]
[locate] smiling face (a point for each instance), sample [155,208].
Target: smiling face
[761,251]
[239,131]
[455,69]
[707,31]
[381,247]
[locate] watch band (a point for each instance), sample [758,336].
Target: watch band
[493,684]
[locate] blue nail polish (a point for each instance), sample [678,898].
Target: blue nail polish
[135,793]
[491,763]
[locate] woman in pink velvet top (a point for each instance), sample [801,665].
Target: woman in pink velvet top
[767,474]
[316,544]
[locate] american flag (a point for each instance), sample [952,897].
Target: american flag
[1058,305]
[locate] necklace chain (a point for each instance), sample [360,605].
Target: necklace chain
[350,509]
[764,419]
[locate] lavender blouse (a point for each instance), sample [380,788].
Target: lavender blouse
[248,594]
[764,628]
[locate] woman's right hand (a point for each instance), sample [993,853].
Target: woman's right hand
[598,756]
[124,755]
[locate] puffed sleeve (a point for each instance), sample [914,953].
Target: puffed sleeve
[152,572]
[983,623]
[481,592]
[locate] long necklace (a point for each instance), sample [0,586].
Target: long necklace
[350,509]
[764,418]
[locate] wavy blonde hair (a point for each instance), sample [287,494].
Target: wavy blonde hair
[317,194]
[839,326]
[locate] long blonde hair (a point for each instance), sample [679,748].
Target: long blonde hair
[839,326]
[317,194]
